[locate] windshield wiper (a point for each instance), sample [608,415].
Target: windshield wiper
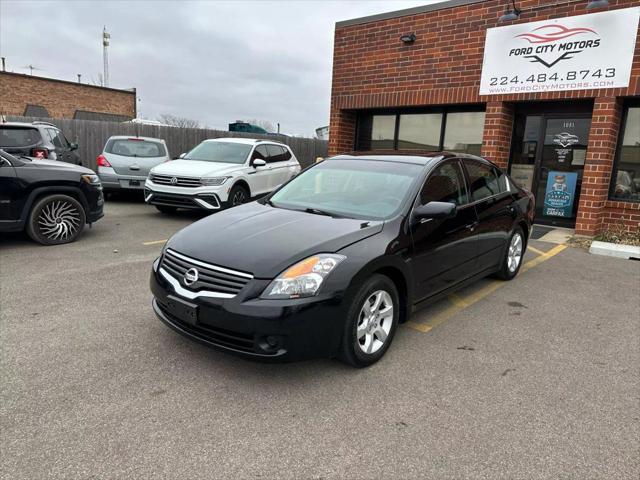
[317,211]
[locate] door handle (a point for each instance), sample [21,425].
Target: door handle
[472,226]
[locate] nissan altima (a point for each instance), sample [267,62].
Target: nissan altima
[329,264]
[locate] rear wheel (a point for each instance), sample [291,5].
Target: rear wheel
[56,219]
[237,196]
[513,256]
[166,209]
[371,322]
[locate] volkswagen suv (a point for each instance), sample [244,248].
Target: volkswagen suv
[218,173]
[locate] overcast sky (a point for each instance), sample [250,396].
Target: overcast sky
[212,61]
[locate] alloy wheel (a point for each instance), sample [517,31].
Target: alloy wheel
[59,220]
[238,198]
[374,322]
[514,255]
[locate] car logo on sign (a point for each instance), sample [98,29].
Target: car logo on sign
[191,276]
[173,180]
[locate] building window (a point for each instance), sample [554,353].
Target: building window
[436,129]
[625,184]
[419,131]
[383,128]
[463,132]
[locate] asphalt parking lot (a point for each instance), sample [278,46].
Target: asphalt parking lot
[535,378]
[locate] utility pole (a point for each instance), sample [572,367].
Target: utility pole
[105,55]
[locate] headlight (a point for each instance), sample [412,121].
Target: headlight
[91,179]
[213,181]
[304,278]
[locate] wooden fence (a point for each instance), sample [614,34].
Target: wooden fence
[91,136]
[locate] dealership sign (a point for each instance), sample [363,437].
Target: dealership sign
[575,53]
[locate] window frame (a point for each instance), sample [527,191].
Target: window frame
[491,166]
[444,110]
[628,104]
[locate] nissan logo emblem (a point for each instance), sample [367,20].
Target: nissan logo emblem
[191,276]
[173,180]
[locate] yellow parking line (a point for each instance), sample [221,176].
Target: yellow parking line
[459,303]
[535,250]
[154,242]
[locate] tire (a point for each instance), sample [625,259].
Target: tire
[513,255]
[166,209]
[362,345]
[56,219]
[237,196]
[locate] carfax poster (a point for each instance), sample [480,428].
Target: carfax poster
[559,195]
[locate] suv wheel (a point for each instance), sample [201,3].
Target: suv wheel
[237,196]
[371,322]
[56,219]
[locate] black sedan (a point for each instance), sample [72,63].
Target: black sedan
[331,262]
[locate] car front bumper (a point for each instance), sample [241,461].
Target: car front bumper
[246,325]
[200,198]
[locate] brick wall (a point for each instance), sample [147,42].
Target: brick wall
[61,98]
[372,68]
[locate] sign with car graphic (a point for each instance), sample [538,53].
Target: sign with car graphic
[576,53]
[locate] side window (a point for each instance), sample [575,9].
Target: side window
[63,139]
[53,135]
[276,153]
[287,153]
[445,184]
[503,181]
[261,153]
[483,180]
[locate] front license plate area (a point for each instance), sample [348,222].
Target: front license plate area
[185,311]
[134,183]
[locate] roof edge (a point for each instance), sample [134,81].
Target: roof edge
[406,12]
[131,91]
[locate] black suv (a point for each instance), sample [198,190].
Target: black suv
[51,200]
[38,140]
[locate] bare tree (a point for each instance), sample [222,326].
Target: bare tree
[266,124]
[176,121]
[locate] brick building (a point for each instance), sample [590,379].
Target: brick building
[551,93]
[32,96]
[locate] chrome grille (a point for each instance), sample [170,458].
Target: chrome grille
[189,182]
[211,278]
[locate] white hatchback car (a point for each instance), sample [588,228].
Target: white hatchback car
[218,173]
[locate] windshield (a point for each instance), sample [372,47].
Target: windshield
[220,152]
[133,147]
[351,188]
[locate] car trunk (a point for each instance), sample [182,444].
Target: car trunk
[135,166]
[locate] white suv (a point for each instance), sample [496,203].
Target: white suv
[218,173]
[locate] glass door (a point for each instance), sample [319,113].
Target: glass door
[559,176]
[547,158]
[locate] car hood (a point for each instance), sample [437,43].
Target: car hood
[264,240]
[195,168]
[36,163]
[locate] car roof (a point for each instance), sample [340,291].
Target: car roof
[245,141]
[414,157]
[133,137]
[26,124]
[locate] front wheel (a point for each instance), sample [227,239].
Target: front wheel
[237,196]
[513,256]
[371,322]
[56,219]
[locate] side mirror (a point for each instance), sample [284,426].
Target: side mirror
[182,155]
[258,162]
[435,210]
[73,146]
